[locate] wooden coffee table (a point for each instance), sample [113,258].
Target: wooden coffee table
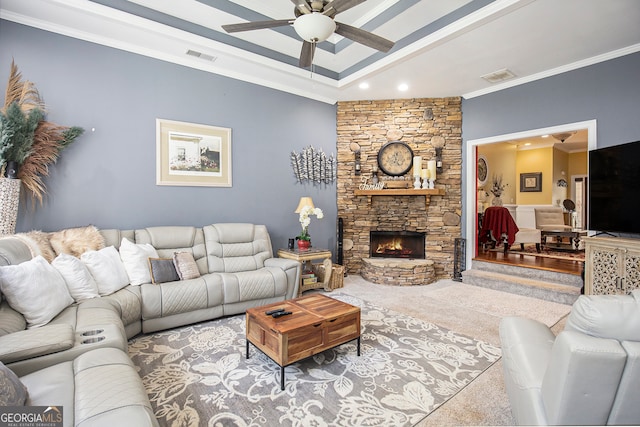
[317,323]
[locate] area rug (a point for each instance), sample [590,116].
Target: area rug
[198,375]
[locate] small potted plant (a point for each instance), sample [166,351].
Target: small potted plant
[304,239]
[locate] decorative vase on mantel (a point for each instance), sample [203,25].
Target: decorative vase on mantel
[304,245]
[497,201]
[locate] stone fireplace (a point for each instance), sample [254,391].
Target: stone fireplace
[363,127]
[396,244]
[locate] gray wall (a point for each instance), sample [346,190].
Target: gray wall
[107,177]
[608,92]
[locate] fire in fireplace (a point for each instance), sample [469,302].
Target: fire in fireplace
[397,244]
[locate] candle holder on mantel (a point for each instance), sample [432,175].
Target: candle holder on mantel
[416,183]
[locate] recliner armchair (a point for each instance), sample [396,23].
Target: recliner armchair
[587,375]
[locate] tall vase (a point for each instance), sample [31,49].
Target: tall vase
[9,199]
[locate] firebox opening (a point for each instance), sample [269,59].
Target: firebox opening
[397,244]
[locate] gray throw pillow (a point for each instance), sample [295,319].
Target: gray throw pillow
[162,270]
[14,393]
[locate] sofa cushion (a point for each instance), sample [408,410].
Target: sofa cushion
[35,289]
[107,269]
[10,320]
[186,266]
[135,258]
[607,316]
[237,247]
[14,393]
[79,280]
[162,270]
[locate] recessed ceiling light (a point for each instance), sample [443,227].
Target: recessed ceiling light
[403,87]
[526,144]
[364,85]
[545,136]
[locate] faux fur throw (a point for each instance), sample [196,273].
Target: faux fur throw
[38,243]
[76,241]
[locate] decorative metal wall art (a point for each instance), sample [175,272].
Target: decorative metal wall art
[313,165]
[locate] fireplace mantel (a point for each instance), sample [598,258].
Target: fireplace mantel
[426,192]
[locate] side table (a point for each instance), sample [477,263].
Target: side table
[306,258]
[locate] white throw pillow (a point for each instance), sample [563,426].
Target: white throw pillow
[80,282]
[135,258]
[35,289]
[107,269]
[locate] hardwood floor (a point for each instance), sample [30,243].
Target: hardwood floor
[531,261]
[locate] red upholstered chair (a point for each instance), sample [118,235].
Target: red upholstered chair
[498,227]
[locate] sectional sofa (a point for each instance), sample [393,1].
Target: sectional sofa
[72,299]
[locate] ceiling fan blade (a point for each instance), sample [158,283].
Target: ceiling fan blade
[301,6]
[337,6]
[364,37]
[306,54]
[257,25]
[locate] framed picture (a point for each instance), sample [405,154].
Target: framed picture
[192,154]
[530,182]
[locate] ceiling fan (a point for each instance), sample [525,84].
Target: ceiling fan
[314,23]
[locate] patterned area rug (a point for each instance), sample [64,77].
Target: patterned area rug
[199,376]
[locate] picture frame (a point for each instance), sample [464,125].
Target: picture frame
[531,182]
[190,154]
[483,170]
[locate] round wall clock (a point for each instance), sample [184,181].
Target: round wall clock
[483,170]
[395,158]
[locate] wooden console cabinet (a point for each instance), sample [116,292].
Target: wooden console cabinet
[612,265]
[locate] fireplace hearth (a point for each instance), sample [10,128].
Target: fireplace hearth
[397,244]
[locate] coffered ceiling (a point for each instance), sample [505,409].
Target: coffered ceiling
[442,47]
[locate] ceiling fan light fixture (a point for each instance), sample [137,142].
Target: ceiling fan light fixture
[314,27]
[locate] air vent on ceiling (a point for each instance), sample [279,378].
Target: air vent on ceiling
[499,76]
[201,55]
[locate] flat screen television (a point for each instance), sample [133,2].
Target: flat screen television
[614,189]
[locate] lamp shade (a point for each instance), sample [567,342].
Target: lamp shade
[314,27]
[304,201]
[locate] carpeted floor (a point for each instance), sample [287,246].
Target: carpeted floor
[473,311]
[451,309]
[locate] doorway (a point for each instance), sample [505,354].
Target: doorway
[471,181]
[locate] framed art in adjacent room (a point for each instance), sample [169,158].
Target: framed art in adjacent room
[192,154]
[530,182]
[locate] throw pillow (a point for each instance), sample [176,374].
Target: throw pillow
[80,282]
[76,241]
[107,269]
[35,289]
[135,258]
[186,265]
[14,393]
[162,270]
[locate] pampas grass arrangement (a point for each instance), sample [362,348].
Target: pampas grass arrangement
[27,138]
